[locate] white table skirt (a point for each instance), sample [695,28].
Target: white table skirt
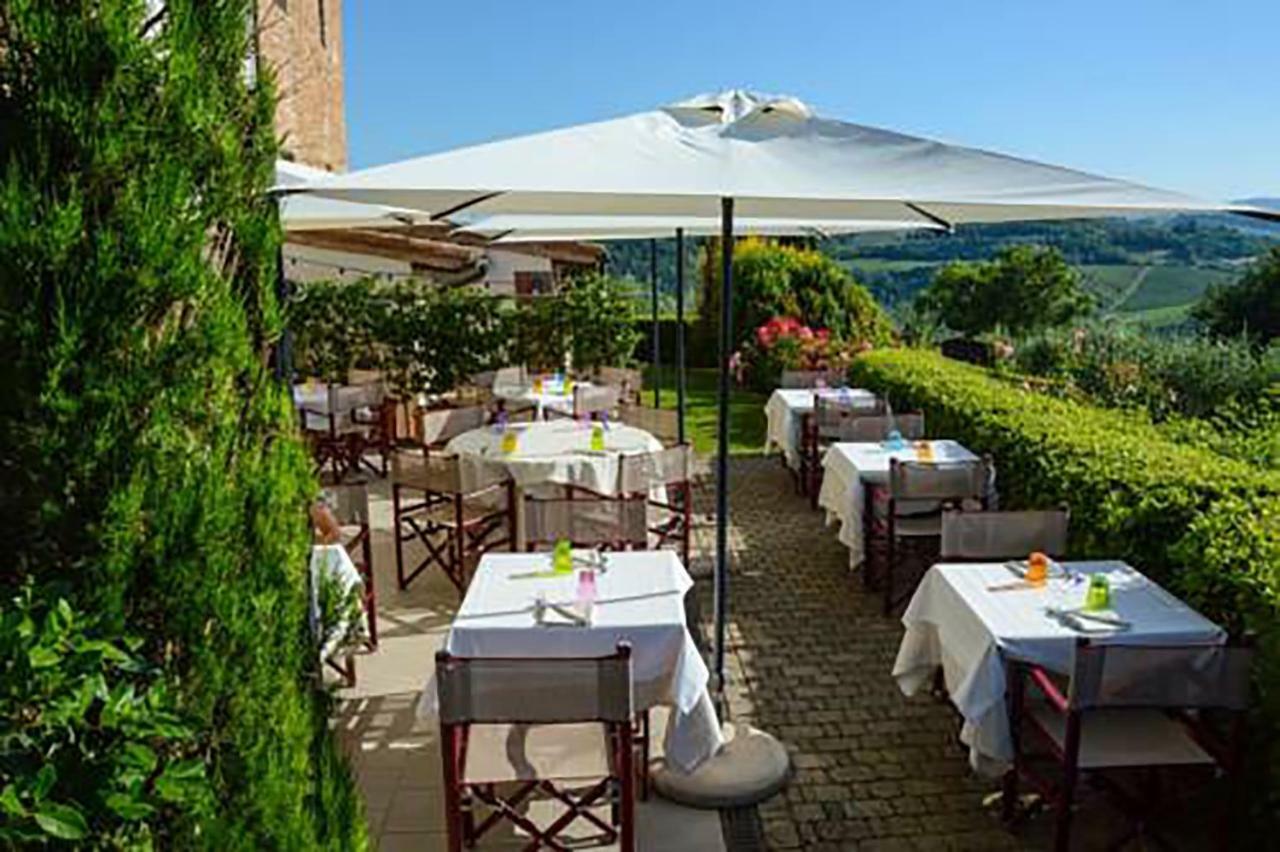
[956,621]
[640,600]
[784,413]
[848,468]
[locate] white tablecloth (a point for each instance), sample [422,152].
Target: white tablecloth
[640,598]
[315,398]
[785,412]
[553,452]
[552,397]
[331,561]
[848,468]
[956,621]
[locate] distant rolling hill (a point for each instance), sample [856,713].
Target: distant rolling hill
[1149,269]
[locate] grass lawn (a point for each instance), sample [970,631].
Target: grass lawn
[746,410]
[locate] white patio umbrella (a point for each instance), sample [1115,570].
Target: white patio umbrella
[516,228]
[773,155]
[756,156]
[299,212]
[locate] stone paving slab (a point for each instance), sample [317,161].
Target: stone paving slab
[810,657]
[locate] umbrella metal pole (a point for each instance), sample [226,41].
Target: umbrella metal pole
[653,284]
[751,765]
[680,357]
[722,442]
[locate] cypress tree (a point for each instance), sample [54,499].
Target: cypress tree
[149,469]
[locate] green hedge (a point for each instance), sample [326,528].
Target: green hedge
[1205,526]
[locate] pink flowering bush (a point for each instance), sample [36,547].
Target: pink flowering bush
[785,343]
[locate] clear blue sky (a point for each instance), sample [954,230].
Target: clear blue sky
[1183,94]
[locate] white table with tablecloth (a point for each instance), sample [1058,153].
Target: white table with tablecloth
[785,412]
[640,599]
[971,619]
[847,470]
[553,396]
[553,453]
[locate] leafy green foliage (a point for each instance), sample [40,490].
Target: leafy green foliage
[777,280]
[151,471]
[1167,376]
[430,339]
[1250,433]
[93,748]
[1024,288]
[592,321]
[334,325]
[600,322]
[1250,307]
[1205,526]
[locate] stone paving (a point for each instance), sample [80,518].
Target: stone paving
[810,661]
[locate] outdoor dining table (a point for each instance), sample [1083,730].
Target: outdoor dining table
[551,398]
[552,453]
[851,468]
[972,619]
[640,599]
[787,409]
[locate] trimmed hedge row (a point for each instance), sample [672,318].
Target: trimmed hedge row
[1133,492]
[1205,526]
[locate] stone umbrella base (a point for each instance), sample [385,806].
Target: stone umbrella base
[750,768]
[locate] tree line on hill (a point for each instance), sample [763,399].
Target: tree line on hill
[1178,239]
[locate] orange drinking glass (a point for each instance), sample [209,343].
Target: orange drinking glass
[1037,568]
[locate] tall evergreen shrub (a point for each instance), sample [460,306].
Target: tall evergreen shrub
[772,279]
[148,470]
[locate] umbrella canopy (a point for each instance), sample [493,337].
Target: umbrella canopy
[773,155]
[300,212]
[514,228]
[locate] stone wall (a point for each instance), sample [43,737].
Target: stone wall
[301,40]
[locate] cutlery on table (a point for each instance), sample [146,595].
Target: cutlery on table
[1075,618]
